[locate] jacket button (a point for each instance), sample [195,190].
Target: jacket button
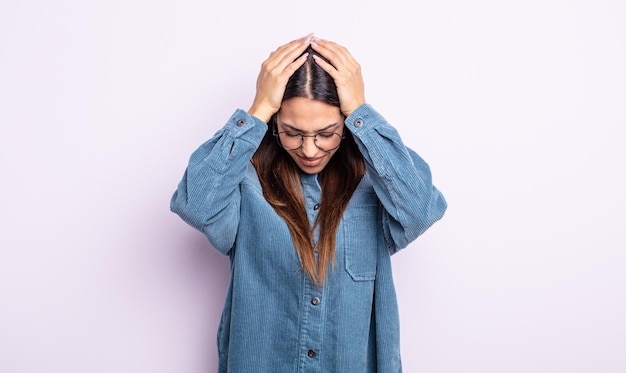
[316,207]
[358,123]
[311,353]
[315,301]
[241,122]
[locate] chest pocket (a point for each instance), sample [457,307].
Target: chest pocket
[361,236]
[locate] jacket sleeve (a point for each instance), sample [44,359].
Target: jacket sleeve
[401,179]
[208,196]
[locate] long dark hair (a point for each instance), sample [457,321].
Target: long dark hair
[280,176]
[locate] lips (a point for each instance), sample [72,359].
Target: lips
[311,162]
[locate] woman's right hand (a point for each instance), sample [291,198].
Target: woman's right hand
[275,72]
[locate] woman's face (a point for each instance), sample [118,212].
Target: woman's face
[303,116]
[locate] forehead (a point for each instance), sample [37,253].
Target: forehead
[308,115]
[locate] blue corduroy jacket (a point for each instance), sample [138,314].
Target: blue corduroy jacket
[275,319]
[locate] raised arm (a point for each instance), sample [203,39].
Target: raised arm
[208,196]
[401,178]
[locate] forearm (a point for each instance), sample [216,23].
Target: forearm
[208,194]
[401,178]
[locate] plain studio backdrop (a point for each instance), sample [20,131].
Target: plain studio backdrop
[519,108]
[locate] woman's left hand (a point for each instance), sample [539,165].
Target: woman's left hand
[345,71]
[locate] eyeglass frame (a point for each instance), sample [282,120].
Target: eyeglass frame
[276,134]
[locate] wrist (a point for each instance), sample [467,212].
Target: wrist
[352,108]
[262,113]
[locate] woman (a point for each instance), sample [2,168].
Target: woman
[309,193]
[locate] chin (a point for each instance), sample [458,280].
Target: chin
[311,166]
[311,170]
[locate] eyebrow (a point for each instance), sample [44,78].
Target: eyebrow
[319,130]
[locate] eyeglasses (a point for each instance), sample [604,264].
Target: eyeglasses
[326,141]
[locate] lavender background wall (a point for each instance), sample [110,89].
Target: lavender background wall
[519,107]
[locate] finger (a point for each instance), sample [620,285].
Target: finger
[291,57]
[335,53]
[277,55]
[287,53]
[293,44]
[294,50]
[295,65]
[330,69]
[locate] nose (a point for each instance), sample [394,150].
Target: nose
[309,149]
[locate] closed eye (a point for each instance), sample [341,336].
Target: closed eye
[326,134]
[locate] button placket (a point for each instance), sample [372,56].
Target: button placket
[313,326]
[313,310]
